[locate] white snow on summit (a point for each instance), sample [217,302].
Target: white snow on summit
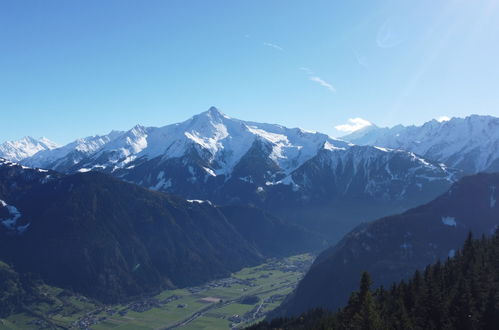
[222,140]
[21,149]
[78,149]
[470,143]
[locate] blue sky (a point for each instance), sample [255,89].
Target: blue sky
[75,68]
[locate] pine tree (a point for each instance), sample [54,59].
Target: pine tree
[366,315]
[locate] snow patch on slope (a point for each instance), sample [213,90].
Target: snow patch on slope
[199,201]
[162,184]
[11,222]
[449,221]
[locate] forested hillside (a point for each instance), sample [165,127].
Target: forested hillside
[462,293]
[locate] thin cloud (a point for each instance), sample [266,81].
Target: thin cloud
[353,124]
[313,77]
[323,83]
[306,70]
[274,46]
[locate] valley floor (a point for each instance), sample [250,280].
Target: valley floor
[233,302]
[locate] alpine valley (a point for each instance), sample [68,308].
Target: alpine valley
[125,215]
[113,240]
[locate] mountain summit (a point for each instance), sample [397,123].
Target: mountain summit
[214,112]
[25,147]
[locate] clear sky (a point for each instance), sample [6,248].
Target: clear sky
[74,68]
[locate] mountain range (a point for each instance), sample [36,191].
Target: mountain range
[303,177]
[470,144]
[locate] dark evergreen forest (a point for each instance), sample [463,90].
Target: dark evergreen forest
[461,293]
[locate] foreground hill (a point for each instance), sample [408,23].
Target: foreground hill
[112,240]
[392,248]
[462,293]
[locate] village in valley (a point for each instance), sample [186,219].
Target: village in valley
[234,302]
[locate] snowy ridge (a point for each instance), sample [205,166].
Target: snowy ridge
[225,141]
[222,141]
[71,153]
[377,168]
[24,148]
[470,143]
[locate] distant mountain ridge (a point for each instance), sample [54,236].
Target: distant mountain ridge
[470,144]
[24,148]
[66,156]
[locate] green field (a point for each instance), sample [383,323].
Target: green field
[222,308]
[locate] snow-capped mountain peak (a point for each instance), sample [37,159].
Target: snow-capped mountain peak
[214,114]
[220,141]
[228,139]
[25,147]
[471,143]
